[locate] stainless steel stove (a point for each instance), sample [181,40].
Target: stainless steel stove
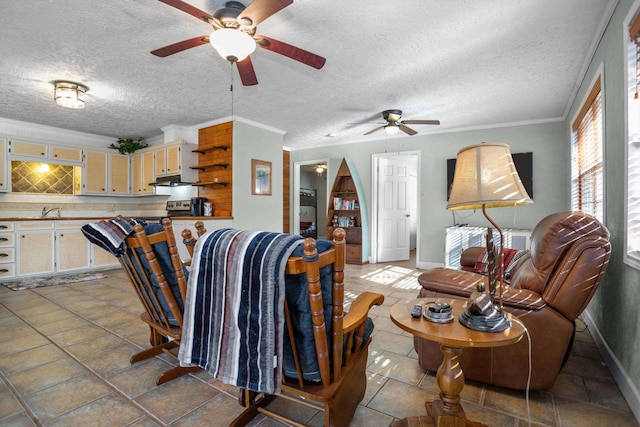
[179,208]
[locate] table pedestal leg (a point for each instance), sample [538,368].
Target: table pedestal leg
[447,411]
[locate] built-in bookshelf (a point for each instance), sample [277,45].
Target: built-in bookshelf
[345,212]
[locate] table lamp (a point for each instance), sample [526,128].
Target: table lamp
[485,177]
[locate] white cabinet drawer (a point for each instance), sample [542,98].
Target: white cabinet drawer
[7,255]
[7,270]
[35,225]
[6,226]
[7,240]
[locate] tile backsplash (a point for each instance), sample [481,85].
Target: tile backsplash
[38,177]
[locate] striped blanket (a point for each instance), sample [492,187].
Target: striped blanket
[110,234]
[234,312]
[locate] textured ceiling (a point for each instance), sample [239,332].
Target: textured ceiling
[467,63]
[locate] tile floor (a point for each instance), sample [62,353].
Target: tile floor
[64,361]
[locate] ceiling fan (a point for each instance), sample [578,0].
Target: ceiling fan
[234,35]
[394,123]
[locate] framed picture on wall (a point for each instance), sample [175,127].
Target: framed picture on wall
[260,177]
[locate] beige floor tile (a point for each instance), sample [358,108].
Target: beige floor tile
[109,410]
[140,377]
[61,398]
[9,405]
[514,402]
[175,399]
[401,400]
[22,342]
[33,357]
[393,342]
[573,413]
[47,375]
[219,411]
[92,348]
[398,367]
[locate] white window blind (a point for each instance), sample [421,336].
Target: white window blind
[586,154]
[632,236]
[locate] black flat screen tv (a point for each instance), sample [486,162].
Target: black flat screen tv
[522,161]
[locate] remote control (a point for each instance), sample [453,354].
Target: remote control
[416,311]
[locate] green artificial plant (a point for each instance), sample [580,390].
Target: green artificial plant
[128,146]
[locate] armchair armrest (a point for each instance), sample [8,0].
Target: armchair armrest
[359,310]
[463,283]
[524,299]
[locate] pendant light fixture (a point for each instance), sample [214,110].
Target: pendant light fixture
[69,94]
[232,44]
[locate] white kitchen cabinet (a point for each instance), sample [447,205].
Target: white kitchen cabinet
[119,165]
[7,250]
[35,248]
[105,173]
[71,247]
[94,173]
[42,151]
[142,166]
[175,158]
[65,155]
[101,259]
[35,150]
[5,165]
[160,159]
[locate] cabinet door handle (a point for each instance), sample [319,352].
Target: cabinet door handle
[4,227]
[4,255]
[3,239]
[3,270]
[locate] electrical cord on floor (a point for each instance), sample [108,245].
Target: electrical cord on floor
[513,319]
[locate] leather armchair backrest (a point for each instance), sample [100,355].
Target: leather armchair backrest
[569,254]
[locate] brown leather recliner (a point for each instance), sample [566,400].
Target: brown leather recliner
[549,288]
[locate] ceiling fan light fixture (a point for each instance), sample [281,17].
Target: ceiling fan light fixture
[233,45]
[319,170]
[391,129]
[69,94]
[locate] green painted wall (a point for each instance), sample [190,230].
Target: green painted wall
[615,307]
[551,176]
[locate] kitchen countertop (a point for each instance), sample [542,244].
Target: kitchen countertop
[97,218]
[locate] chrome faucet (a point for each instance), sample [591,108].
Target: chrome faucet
[46,211]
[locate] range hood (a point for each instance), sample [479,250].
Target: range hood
[169,181]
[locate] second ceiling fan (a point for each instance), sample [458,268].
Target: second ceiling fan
[394,123]
[235,25]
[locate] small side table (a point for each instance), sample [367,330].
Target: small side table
[453,338]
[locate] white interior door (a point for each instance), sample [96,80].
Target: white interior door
[394,210]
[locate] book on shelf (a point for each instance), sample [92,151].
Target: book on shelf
[345,205]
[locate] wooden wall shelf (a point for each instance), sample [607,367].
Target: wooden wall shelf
[204,150]
[202,184]
[202,167]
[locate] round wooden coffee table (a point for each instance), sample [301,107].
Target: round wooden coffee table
[453,338]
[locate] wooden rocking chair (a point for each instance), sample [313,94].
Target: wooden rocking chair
[153,265]
[340,358]
[190,241]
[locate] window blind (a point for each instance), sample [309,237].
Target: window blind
[586,153]
[633,149]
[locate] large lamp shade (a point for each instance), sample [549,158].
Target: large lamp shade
[485,176]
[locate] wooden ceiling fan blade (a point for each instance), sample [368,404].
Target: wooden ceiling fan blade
[295,53]
[260,10]
[180,46]
[374,130]
[247,73]
[191,10]
[421,122]
[407,130]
